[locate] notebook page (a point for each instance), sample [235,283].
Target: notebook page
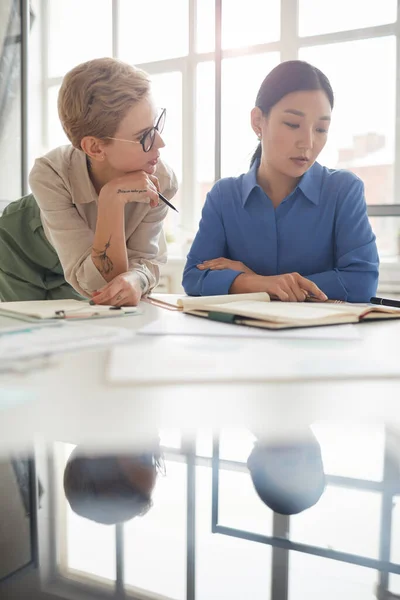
[41,309]
[191,302]
[46,309]
[284,312]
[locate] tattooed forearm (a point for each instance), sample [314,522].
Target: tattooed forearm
[119,191]
[105,263]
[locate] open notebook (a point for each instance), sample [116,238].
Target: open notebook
[51,310]
[256,310]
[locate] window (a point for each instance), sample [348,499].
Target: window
[76,18]
[354,43]
[316,18]
[142,33]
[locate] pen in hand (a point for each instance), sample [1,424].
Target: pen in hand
[167,202]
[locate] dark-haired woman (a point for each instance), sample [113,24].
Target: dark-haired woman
[289,227]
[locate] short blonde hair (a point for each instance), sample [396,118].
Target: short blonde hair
[95,96]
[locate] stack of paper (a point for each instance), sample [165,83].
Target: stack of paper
[35,342]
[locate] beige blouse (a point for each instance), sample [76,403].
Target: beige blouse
[68,201]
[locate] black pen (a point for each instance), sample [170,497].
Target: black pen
[167,202]
[385,302]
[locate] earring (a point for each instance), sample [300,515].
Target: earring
[259,136]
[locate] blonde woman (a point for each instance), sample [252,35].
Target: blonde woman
[93,226]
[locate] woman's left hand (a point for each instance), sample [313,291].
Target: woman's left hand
[217,264]
[123,290]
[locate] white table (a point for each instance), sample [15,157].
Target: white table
[72,399]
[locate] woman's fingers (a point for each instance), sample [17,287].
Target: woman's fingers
[311,288]
[105,294]
[299,294]
[119,299]
[214,264]
[155,181]
[281,295]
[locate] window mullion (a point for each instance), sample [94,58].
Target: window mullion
[396,166]
[189,127]
[115,28]
[289,29]
[44,51]
[119,561]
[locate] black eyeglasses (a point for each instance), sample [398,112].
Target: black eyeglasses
[148,138]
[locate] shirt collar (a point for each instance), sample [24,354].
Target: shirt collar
[83,190]
[249,181]
[309,184]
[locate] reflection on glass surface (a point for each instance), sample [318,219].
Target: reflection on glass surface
[394,580]
[15,515]
[111,488]
[242,510]
[243,23]
[227,567]
[170,438]
[143,34]
[352,450]
[344,518]
[63,22]
[339,521]
[155,546]
[315,578]
[288,476]
[89,547]
[236,444]
[316,17]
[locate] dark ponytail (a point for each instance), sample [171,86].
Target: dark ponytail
[287,77]
[256,155]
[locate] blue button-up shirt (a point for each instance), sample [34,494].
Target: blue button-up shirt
[321,230]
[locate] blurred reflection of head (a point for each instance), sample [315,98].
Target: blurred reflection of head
[111,489]
[288,477]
